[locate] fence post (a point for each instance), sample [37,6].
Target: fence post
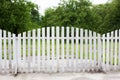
[15,53]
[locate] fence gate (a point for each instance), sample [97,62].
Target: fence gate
[59,49]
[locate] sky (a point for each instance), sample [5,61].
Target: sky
[44,4]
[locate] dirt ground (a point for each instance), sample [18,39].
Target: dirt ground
[63,76]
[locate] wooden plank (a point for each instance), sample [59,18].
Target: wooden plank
[19,51]
[81,48]
[48,49]
[53,49]
[14,64]
[1,50]
[29,52]
[38,49]
[107,53]
[103,50]
[90,48]
[111,51]
[94,44]
[62,56]
[77,56]
[5,52]
[99,52]
[33,49]
[119,51]
[24,52]
[72,49]
[58,46]
[115,51]
[67,48]
[10,51]
[43,50]
[86,49]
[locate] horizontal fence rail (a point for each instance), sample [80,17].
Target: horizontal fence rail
[59,49]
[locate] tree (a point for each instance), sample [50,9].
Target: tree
[75,13]
[16,15]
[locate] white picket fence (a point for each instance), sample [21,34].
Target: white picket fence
[59,49]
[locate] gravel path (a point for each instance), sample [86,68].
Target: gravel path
[63,76]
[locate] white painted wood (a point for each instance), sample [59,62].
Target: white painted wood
[86,49]
[111,51]
[107,53]
[19,51]
[58,46]
[81,48]
[5,52]
[119,51]
[9,51]
[48,49]
[53,48]
[94,44]
[102,49]
[33,48]
[1,50]
[77,56]
[14,64]
[90,48]
[72,49]
[43,50]
[67,48]
[29,53]
[24,53]
[99,52]
[38,49]
[103,54]
[115,51]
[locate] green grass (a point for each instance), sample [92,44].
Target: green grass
[60,50]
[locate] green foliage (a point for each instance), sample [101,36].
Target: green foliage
[15,15]
[70,13]
[101,18]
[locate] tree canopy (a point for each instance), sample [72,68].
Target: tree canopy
[18,15]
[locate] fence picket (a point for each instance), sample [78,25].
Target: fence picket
[1,50]
[81,48]
[76,63]
[57,46]
[29,52]
[38,49]
[86,49]
[67,49]
[119,51]
[48,49]
[115,51]
[111,51]
[43,49]
[24,53]
[5,52]
[62,52]
[19,50]
[90,48]
[95,53]
[103,50]
[53,49]
[9,51]
[33,48]
[99,52]
[14,64]
[107,53]
[72,49]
